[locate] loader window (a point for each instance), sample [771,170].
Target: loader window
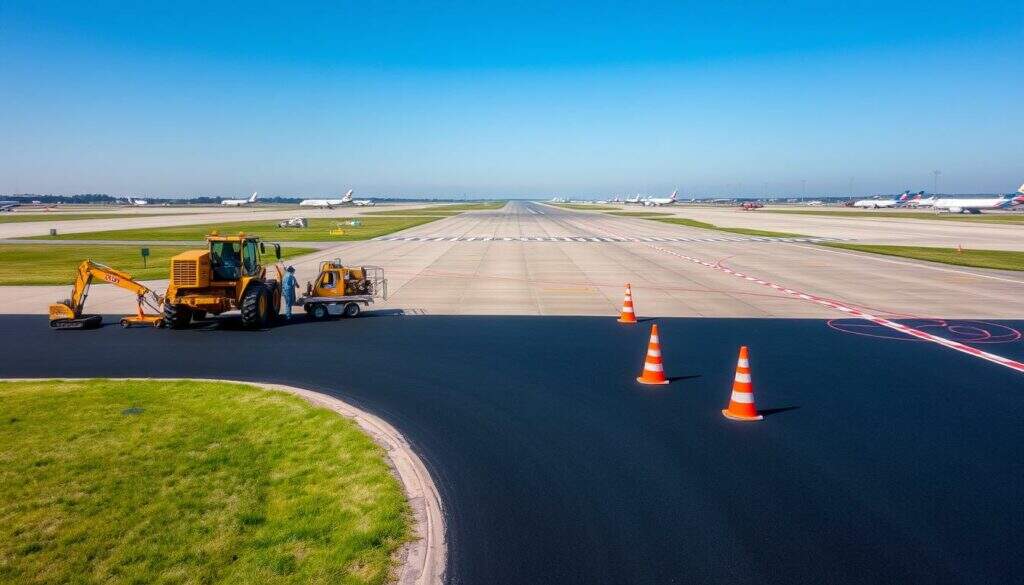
[328,280]
[225,259]
[249,258]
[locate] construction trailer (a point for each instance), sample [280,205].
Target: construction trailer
[342,291]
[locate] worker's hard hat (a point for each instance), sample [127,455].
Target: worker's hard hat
[290,269]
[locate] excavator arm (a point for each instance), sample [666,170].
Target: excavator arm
[68,314]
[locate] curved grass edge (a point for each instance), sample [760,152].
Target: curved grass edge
[421,561]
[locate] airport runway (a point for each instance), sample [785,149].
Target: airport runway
[532,259]
[881,460]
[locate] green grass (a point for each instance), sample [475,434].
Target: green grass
[189,482]
[642,214]
[734,230]
[982,218]
[442,210]
[318,230]
[33,217]
[999,259]
[584,206]
[56,263]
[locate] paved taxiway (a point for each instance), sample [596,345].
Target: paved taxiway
[509,262]
[885,461]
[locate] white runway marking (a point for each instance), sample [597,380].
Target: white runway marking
[596,239]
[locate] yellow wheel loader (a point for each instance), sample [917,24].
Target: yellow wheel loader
[68,314]
[340,290]
[228,275]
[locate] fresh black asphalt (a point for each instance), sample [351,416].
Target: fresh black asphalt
[881,461]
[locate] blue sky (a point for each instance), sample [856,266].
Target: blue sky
[451,98]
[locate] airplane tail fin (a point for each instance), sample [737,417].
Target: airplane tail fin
[1021,189]
[348,196]
[252,198]
[674,193]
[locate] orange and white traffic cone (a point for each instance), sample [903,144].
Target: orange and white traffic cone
[627,315]
[741,405]
[654,370]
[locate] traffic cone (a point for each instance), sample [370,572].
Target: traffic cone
[741,405]
[654,371]
[627,315]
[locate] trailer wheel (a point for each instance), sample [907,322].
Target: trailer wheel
[351,310]
[319,311]
[125,324]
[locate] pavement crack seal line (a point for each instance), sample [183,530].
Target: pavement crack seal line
[423,560]
[955,345]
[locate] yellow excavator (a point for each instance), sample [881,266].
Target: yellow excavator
[67,314]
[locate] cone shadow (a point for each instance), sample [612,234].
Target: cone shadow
[771,411]
[678,378]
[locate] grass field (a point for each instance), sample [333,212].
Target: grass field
[189,482]
[584,206]
[642,214]
[734,230]
[318,231]
[442,210]
[1000,259]
[34,217]
[56,264]
[929,215]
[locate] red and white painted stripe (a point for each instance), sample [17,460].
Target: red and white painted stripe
[833,304]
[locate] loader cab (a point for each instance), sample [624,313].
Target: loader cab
[236,258]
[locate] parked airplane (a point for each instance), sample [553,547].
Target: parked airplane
[329,203]
[240,202]
[137,201]
[9,205]
[815,203]
[633,200]
[971,205]
[877,203]
[920,200]
[658,202]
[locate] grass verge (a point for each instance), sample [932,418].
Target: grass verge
[642,214]
[999,259]
[318,231]
[25,264]
[192,482]
[928,215]
[584,206]
[734,230]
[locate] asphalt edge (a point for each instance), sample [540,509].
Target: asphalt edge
[423,560]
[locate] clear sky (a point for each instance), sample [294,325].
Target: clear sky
[510,98]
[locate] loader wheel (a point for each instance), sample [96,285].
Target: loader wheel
[256,305]
[177,316]
[274,292]
[352,310]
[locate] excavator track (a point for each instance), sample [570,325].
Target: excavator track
[84,322]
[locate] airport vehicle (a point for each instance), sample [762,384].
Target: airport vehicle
[658,202]
[240,202]
[751,205]
[340,290]
[329,203]
[229,274]
[879,203]
[976,205]
[295,222]
[68,314]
